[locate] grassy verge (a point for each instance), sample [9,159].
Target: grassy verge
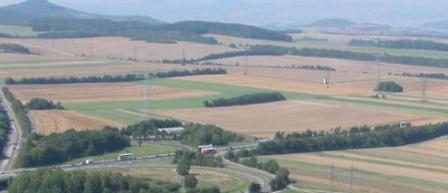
[145,149]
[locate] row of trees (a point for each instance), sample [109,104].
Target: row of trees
[46,181]
[114,78]
[246,99]
[332,53]
[14,48]
[69,80]
[357,137]
[178,73]
[441,76]
[42,104]
[401,44]
[60,147]
[249,159]
[150,127]
[19,111]
[5,127]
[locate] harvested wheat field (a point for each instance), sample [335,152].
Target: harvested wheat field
[124,48]
[414,168]
[56,121]
[263,120]
[279,84]
[93,92]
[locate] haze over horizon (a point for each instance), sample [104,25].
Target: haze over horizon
[262,12]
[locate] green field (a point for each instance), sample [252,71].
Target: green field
[15,30]
[144,150]
[109,109]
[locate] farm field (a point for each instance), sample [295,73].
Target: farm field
[57,121]
[265,119]
[15,30]
[397,169]
[92,92]
[333,42]
[121,48]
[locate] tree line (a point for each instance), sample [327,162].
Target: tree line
[114,78]
[70,80]
[179,73]
[355,138]
[331,53]
[5,127]
[441,76]
[46,181]
[401,44]
[246,99]
[193,134]
[42,104]
[57,148]
[249,159]
[14,48]
[389,86]
[19,111]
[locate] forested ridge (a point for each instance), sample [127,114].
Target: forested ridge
[164,33]
[331,53]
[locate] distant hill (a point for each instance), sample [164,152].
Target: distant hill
[59,22]
[24,13]
[441,25]
[331,23]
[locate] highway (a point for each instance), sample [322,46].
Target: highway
[14,138]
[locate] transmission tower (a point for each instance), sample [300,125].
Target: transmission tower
[134,53]
[327,79]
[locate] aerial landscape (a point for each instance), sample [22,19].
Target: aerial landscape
[302,99]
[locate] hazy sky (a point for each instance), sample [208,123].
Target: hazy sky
[259,12]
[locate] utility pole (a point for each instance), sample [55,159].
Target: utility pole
[332,177]
[327,77]
[134,53]
[351,178]
[184,59]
